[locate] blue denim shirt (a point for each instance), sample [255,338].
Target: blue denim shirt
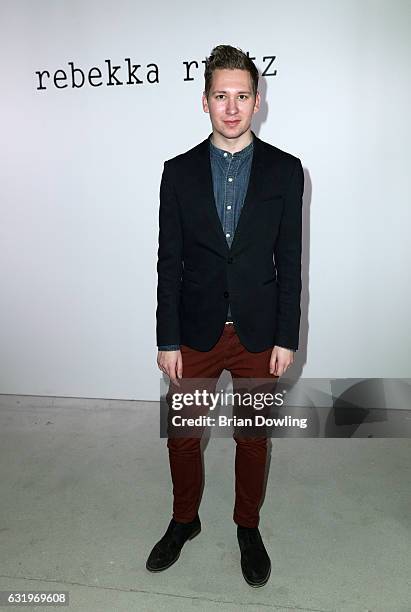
[231,173]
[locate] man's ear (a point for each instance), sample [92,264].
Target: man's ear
[205,103]
[257,102]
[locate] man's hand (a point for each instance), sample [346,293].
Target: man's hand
[171,363]
[281,358]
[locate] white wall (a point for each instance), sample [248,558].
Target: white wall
[80,172]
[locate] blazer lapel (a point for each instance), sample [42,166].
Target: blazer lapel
[205,180]
[253,191]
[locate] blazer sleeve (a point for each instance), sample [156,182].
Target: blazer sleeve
[169,263]
[287,256]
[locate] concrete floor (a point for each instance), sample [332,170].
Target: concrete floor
[86,492]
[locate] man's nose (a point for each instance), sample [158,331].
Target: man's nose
[232,106]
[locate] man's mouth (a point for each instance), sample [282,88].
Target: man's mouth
[232,123]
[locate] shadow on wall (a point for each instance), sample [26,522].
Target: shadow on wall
[301,356]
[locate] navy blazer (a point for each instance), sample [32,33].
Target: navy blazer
[260,275]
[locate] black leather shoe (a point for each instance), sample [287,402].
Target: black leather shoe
[167,550]
[255,562]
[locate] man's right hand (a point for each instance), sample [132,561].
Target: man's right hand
[171,363]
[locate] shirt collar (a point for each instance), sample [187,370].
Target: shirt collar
[238,154]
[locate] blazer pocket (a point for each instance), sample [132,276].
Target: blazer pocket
[188,280]
[273,198]
[270,280]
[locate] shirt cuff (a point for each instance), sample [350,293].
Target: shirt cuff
[169,347]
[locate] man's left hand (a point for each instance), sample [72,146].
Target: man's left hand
[281,359]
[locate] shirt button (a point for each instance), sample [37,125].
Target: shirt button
[230,179]
[225,154]
[227,235]
[228,207]
[226,294]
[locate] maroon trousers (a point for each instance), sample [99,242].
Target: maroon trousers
[251,452]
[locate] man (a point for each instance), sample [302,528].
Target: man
[229,284]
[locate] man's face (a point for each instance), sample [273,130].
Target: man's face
[231,103]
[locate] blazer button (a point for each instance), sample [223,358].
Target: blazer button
[230,260]
[226,294]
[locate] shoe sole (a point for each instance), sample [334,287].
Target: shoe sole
[257,584]
[161,569]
